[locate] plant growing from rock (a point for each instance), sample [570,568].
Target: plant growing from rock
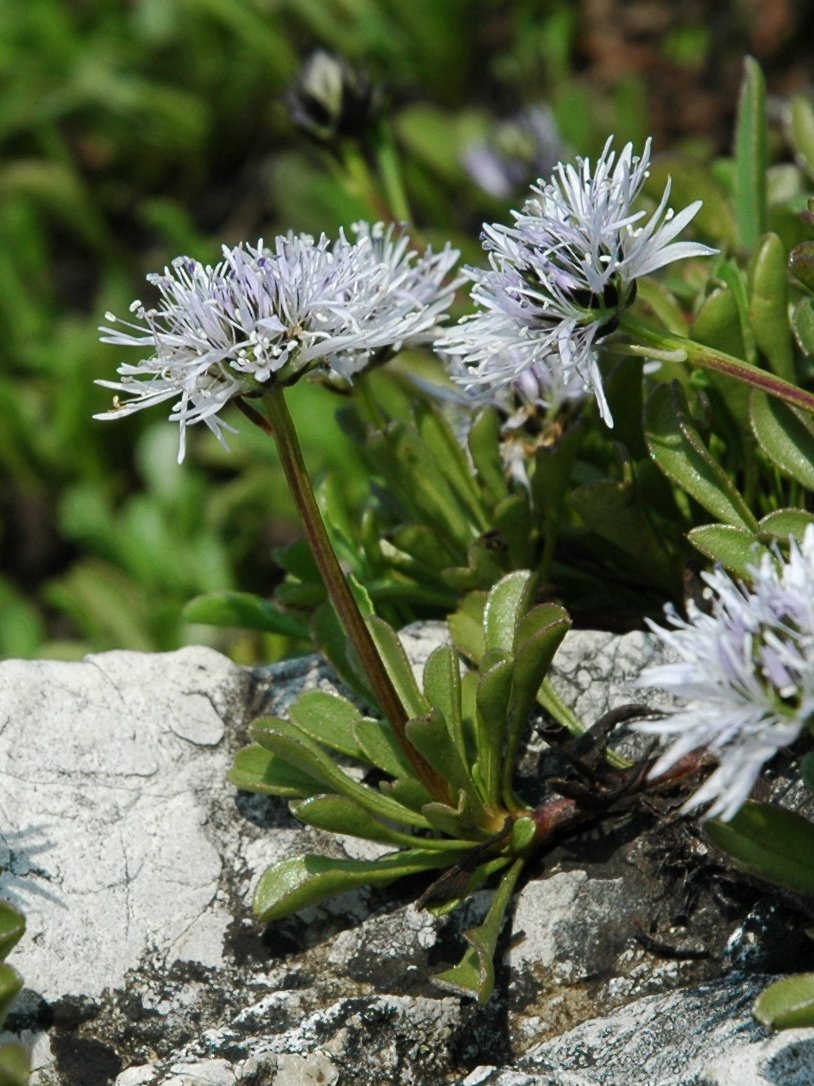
[568,282]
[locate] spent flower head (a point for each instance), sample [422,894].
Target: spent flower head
[746,671]
[267,315]
[562,274]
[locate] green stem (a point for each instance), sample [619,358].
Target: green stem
[280,426]
[387,160]
[706,358]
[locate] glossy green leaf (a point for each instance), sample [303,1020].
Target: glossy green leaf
[329,636]
[613,510]
[295,884]
[328,718]
[801,129]
[787,1004]
[785,522]
[338,814]
[379,746]
[14,1065]
[717,323]
[450,458]
[398,667]
[771,843]
[245,610]
[466,626]
[802,325]
[442,689]
[459,821]
[677,448]
[256,769]
[431,737]
[539,634]
[10,984]
[524,830]
[12,927]
[475,973]
[768,304]
[508,599]
[785,434]
[298,749]
[751,156]
[494,693]
[408,792]
[735,548]
[484,445]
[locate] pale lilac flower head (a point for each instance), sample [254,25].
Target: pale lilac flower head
[746,672]
[268,315]
[561,275]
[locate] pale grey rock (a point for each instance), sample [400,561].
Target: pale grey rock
[135,863]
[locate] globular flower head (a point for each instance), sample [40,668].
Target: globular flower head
[271,315]
[561,275]
[746,672]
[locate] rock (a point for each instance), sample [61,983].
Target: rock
[134,861]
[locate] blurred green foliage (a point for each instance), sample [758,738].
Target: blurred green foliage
[130,133]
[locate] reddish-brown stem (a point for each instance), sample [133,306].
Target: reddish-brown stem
[280,426]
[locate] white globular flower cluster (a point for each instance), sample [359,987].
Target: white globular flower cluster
[268,315]
[561,275]
[746,672]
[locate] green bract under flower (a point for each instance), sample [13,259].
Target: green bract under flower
[562,274]
[267,315]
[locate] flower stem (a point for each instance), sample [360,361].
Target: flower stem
[280,426]
[706,358]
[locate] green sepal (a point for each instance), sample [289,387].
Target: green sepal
[298,749]
[474,975]
[329,719]
[398,667]
[770,842]
[787,1004]
[785,434]
[12,928]
[751,156]
[256,769]
[15,1065]
[768,303]
[294,884]
[677,448]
